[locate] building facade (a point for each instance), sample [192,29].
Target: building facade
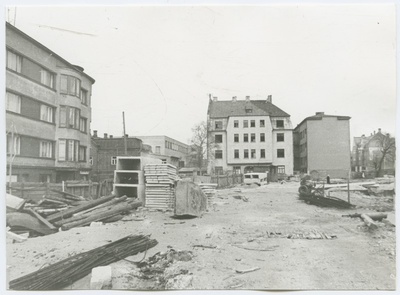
[367,153]
[48,113]
[249,136]
[106,149]
[322,145]
[167,149]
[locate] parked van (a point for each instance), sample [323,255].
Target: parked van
[259,178]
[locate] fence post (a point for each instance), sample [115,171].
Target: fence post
[22,190]
[47,189]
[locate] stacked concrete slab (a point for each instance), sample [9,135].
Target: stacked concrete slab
[160,185]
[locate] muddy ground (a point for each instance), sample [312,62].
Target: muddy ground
[274,234]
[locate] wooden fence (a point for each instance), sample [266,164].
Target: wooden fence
[36,190]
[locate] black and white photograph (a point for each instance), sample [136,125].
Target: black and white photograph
[190,146]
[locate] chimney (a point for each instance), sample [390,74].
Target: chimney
[105,135]
[95,133]
[363,136]
[269,98]
[209,96]
[379,130]
[247,98]
[126,135]
[234,98]
[320,113]
[111,136]
[215,98]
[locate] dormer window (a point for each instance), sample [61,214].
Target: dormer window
[248,111]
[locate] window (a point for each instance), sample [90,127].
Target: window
[91,161]
[44,177]
[248,110]
[70,117]
[236,154]
[253,153]
[83,125]
[13,146]
[13,103]
[236,169]
[253,123]
[280,153]
[246,154]
[279,124]
[70,85]
[280,137]
[253,137]
[82,153]
[163,161]
[46,113]
[62,149]
[262,123]
[84,96]
[68,150]
[262,153]
[218,154]
[218,138]
[14,61]
[218,124]
[236,124]
[236,137]
[281,169]
[262,137]
[158,150]
[245,137]
[114,160]
[245,123]
[46,149]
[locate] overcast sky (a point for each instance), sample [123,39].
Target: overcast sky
[158,64]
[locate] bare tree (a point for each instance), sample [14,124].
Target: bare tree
[387,150]
[200,143]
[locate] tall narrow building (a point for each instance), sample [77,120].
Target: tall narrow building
[249,136]
[48,113]
[322,145]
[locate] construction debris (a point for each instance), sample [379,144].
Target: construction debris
[14,203]
[374,216]
[101,278]
[160,185]
[26,222]
[248,270]
[69,270]
[316,196]
[209,189]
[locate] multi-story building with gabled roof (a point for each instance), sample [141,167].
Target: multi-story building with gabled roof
[249,136]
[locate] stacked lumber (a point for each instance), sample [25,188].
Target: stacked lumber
[106,209]
[160,185]
[71,269]
[209,189]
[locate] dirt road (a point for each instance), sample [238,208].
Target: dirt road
[235,236]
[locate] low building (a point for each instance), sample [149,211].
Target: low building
[367,154]
[106,149]
[167,149]
[322,145]
[48,113]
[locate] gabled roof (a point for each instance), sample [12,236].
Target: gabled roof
[228,108]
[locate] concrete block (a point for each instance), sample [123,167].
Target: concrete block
[101,278]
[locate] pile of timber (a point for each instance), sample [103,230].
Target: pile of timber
[160,185]
[209,189]
[369,218]
[71,269]
[322,201]
[105,209]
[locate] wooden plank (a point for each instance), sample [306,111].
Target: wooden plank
[38,216]
[14,202]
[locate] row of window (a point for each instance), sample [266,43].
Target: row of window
[249,123]
[249,153]
[280,137]
[176,147]
[68,149]
[69,116]
[68,84]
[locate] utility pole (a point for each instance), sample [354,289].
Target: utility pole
[125,143]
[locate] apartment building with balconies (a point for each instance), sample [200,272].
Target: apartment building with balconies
[249,136]
[48,112]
